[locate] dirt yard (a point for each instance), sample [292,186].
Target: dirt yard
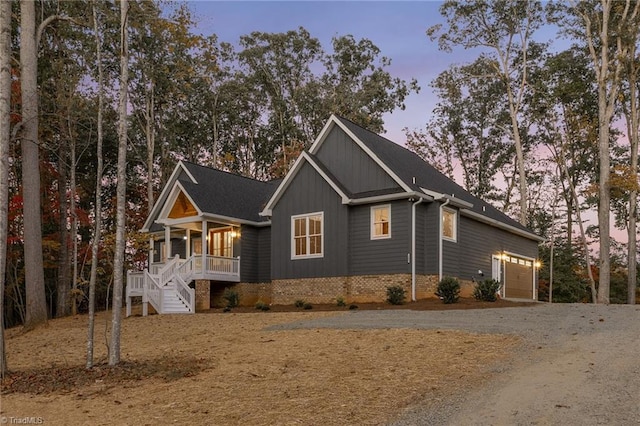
[226,368]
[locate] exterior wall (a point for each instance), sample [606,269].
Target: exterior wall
[354,289]
[264,255]
[478,241]
[249,254]
[381,256]
[351,166]
[309,193]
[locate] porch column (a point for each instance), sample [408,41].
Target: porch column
[151,252]
[188,244]
[205,246]
[167,243]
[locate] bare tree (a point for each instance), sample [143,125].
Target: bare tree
[36,311]
[505,29]
[5,135]
[603,29]
[97,233]
[118,260]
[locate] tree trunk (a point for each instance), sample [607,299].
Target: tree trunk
[36,309]
[5,135]
[632,130]
[118,261]
[98,207]
[64,274]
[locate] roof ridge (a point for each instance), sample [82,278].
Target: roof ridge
[215,169]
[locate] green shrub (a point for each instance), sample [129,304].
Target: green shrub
[486,290]
[448,290]
[299,303]
[307,305]
[340,301]
[231,297]
[395,295]
[261,306]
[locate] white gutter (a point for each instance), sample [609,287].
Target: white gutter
[413,248]
[448,200]
[388,197]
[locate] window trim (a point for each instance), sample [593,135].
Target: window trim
[306,216]
[372,224]
[455,225]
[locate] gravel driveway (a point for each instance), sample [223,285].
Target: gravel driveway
[580,364]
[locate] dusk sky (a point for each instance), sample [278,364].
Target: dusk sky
[397,28]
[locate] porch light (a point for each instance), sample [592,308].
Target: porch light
[537,264]
[235,234]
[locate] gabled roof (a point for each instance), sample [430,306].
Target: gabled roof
[419,175]
[216,193]
[414,176]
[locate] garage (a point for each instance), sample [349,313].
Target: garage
[518,278]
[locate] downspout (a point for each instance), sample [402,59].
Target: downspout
[440,239]
[413,249]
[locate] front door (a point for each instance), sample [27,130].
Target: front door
[221,242]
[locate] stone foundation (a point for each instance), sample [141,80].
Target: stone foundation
[353,289]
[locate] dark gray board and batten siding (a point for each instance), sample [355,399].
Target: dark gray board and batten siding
[380,256]
[255,257]
[309,193]
[350,165]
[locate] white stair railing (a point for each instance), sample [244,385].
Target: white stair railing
[185,293]
[168,270]
[152,293]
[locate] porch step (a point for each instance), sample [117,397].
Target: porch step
[171,304]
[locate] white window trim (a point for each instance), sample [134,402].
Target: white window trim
[372,220]
[293,236]
[455,225]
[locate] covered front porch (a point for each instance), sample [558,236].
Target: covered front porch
[215,260]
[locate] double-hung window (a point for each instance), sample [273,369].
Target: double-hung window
[449,224]
[381,222]
[307,235]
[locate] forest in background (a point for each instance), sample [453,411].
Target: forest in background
[546,136]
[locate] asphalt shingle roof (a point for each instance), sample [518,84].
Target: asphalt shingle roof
[226,194]
[407,165]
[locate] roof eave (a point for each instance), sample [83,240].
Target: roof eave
[502,225]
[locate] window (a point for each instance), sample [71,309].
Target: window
[306,231]
[381,222]
[449,224]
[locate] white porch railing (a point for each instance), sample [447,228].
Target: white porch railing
[153,285]
[154,288]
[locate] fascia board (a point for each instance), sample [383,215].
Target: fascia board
[323,134]
[160,201]
[171,199]
[372,155]
[345,198]
[504,226]
[453,201]
[282,187]
[390,197]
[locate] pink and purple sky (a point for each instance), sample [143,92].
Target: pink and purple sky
[398,28]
